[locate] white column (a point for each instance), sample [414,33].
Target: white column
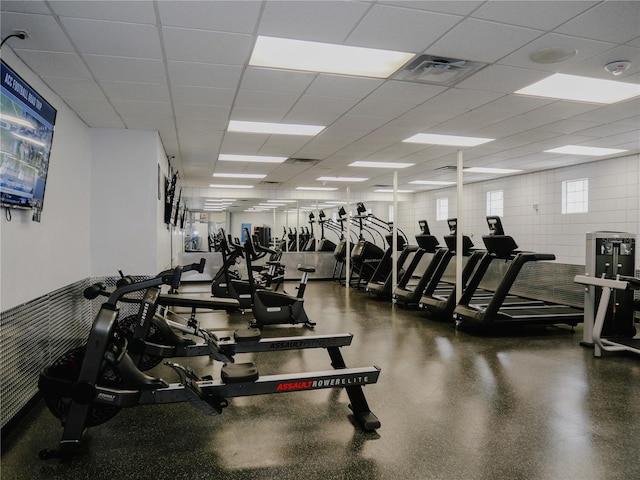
[394,232]
[460,228]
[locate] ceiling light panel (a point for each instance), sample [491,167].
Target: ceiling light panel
[320,189]
[218,185]
[589,151]
[581,89]
[386,190]
[274,128]
[341,179]
[451,140]
[226,157]
[490,170]
[368,164]
[239,175]
[308,56]
[431,182]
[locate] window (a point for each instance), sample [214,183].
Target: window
[575,196]
[442,208]
[495,204]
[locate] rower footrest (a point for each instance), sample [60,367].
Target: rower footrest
[239,372]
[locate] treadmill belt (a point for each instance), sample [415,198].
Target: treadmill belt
[548,311]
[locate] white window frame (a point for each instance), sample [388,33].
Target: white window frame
[442,208]
[495,203]
[575,196]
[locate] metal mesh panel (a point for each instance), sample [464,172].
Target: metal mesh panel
[33,334]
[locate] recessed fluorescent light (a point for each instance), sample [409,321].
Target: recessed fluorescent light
[364,163]
[581,89]
[281,201]
[490,170]
[274,128]
[341,179]
[387,190]
[322,189]
[18,121]
[308,56]
[431,182]
[452,140]
[218,185]
[273,205]
[239,175]
[226,157]
[591,151]
[28,139]
[336,202]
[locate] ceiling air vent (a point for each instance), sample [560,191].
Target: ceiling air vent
[301,161]
[448,167]
[267,182]
[383,186]
[437,70]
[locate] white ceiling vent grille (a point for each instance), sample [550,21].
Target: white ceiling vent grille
[437,70]
[301,161]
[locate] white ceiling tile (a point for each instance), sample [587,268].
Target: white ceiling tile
[204,75]
[388,110]
[143,92]
[458,8]
[268,100]
[405,92]
[140,110]
[223,16]
[608,21]
[316,103]
[218,117]
[74,87]
[516,104]
[315,20]
[566,126]
[253,114]
[606,130]
[585,49]
[45,33]
[634,43]
[95,112]
[496,78]
[123,69]
[532,14]
[54,64]
[343,86]
[20,6]
[98,37]
[283,145]
[202,95]
[400,29]
[482,41]
[115,10]
[612,113]
[304,116]
[276,80]
[461,100]
[560,109]
[190,45]
[469,121]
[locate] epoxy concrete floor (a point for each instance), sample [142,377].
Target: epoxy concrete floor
[452,406]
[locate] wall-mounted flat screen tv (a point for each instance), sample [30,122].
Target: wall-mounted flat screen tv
[26,133]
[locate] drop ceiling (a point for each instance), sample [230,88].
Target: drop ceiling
[181,68]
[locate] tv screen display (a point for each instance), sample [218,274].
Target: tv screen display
[26,133]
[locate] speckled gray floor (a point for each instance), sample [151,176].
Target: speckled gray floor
[452,406]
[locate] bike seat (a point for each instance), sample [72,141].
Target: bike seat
[307,269]
[239,372]
[246,335]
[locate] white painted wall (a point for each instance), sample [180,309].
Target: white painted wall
[127,230]
[37,258]
[614,205]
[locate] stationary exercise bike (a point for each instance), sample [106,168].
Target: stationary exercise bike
[89,385]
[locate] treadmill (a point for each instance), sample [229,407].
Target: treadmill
[407,293]
[497,311]
[380,283]
[439,297]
